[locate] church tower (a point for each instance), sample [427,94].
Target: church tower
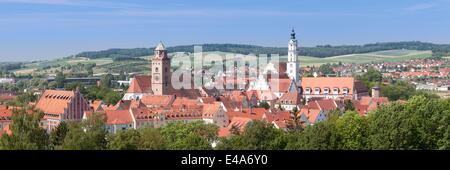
[293,67]
[160,71]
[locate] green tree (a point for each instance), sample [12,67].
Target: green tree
[189,136]
[295,123]
[264,104]
[90,134]
[257,135]
[320,136]
[421,123]
[326,69]
[57,136]
[348,105]
[26,132]
[151,139]
[352,131]
[106,80]
[371,78]
[124,140]
[112,97]
[60,79]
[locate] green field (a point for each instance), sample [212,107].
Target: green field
[376,57]
[42,66]
[105,64]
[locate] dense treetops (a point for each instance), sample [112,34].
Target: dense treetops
[419,124]
[318,51]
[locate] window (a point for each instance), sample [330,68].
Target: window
[308,90]
[345,91]
[326,90]
[156,69]
[335,90]
[317,90]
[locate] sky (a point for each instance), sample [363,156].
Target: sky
[47,29]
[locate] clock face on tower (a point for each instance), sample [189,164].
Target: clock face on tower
[156,77]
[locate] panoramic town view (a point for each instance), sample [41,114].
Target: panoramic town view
[231,75]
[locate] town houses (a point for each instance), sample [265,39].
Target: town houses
[274,95]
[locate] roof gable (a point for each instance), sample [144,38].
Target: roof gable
[55,101]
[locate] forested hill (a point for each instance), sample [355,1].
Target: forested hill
[318,51]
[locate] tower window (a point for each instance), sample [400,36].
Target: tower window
[156,69]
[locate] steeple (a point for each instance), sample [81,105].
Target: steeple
[293,66]
[160,47]
[161,74]
[160,51]
[293,34]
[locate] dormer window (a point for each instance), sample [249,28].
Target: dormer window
[308,90]
[317,90]
[335,90]
[345,91]
[326,90]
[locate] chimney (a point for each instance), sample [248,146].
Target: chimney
[375,92]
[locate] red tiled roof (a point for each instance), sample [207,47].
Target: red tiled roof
[54,101]
[122,105]
[278,116]
[208,100]
[266,95]
[254,114]
[137,104]
[229,104]
[144,113]
[323,104]
[186,103]
[5,113]
[239,122]
[141,84]
[283,84]
[159,101]
[116,117]
[97,105]
[367,104]
[311,114]
[209,110]
[290,98]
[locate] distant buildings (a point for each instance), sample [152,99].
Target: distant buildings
[7,80]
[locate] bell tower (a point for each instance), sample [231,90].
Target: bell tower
[293,67]
[161,74]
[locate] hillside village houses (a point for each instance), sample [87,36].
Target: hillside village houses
[151,101]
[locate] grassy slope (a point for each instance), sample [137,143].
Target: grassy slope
[33,67]
[103,64]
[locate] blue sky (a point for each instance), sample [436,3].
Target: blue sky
[46,29]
